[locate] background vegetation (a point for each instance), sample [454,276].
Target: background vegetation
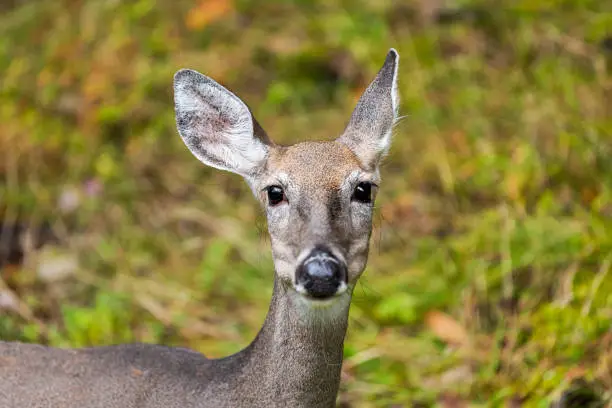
[488,283]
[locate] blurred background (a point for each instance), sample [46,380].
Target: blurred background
[489,278]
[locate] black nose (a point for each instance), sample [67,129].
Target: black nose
[321,274]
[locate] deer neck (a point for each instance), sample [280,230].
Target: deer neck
[296,358]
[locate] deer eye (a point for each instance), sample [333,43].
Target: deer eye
[363,193]
[276,195]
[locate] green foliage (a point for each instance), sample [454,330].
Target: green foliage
[488,281]
[103,323]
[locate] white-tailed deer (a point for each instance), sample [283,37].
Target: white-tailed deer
[318,197]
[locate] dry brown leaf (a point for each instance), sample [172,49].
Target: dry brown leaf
[207,12]
[513,186]
[588,194]
[446,328]
[575,373]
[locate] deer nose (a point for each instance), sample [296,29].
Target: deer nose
[321,275]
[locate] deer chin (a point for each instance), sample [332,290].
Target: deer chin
[301,290]
[330,305]
[321,311]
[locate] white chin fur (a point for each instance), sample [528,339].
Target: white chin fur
[318,308]
[339,292]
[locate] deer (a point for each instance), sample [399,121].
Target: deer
[318,197]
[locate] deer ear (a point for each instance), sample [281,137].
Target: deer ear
[368,133]
[217,126]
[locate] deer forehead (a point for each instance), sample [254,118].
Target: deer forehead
[314,165]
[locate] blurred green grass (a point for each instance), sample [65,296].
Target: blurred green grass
[488,282]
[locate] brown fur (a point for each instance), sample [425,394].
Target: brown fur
[333,162]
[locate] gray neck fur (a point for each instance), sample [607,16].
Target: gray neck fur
[297,356]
